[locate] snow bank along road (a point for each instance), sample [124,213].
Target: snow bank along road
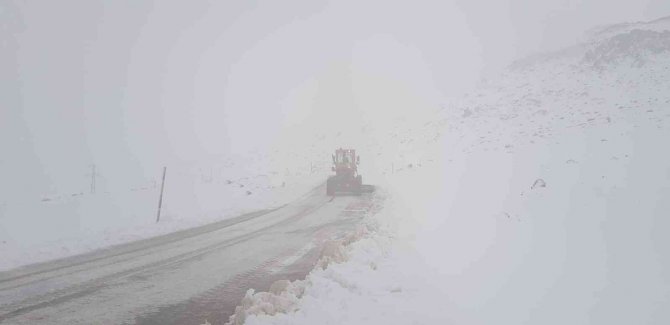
[185,277]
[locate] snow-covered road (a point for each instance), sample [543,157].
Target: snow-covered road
[185,277]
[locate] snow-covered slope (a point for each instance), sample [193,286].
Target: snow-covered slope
[541,198]
[63,224]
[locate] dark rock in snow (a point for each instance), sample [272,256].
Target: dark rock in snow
[538,183]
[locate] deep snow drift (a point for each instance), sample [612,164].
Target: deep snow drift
[541,198]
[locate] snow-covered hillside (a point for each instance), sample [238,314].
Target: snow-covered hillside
[35,229]
[541,198]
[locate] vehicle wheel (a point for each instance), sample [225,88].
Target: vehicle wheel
[330,188]
[358,185]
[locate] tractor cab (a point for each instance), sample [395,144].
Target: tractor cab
[345,161]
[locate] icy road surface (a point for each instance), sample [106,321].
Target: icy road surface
[185,277]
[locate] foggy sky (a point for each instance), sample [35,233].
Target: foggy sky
[133,85]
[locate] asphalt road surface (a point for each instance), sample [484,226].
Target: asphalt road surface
[186,277]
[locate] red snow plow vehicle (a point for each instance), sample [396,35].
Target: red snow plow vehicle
[346,178]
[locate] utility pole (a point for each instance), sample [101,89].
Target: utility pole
[93,174]
[160,199]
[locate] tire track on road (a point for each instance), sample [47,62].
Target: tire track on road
[94,285]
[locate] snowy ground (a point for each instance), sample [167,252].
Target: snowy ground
[58,225]
[542,198]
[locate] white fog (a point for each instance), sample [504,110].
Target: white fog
[509,165]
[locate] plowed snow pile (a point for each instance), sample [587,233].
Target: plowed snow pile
[543,198]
